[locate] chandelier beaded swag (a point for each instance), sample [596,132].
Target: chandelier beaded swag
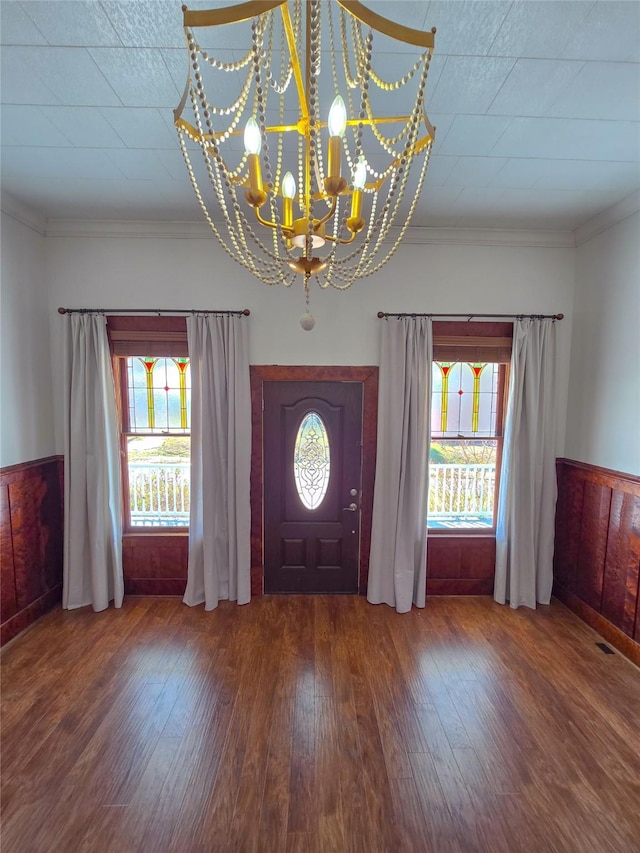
[276,204]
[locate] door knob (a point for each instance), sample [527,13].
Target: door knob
[350,508]
[353,492]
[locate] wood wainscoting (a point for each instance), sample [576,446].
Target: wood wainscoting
[155,563]
[31,525]
[597,551]
[461,565]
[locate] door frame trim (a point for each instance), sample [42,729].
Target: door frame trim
[368,377]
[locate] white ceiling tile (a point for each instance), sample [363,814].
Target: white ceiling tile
[84,126]
[142,128]
[173,162]
[520,173]
[611,31]
[21,81]
[16,27]
[439,169]
[73,77]
[474,135]
[474,171]
[466,27]
[139,77]
[565,139]
[469,84]
[59,163]
[71,23]
[539,30]
[438,208]
[602,90]
[532,87]
[151,24]
[93,199]
[29,126]
[138,164]
[588,175]
[442,124]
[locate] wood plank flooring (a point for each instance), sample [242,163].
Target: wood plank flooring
[318,724]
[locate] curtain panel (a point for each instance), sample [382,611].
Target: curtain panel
[397,569]
[526,504]
[220,517]
[92,492]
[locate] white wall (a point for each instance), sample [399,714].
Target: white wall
[194,273]
[26,424]
[603,426]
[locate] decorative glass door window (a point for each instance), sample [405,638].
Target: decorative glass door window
[466,442]
[312,461]
[156,441]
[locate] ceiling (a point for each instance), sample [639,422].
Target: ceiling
[536,104]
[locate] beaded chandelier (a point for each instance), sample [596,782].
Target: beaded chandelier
[288,186]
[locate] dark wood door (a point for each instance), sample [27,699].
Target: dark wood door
[312,486]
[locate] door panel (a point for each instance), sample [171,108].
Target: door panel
[312,550]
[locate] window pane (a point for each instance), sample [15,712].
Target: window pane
[462,476]
[464,399]
[311,461]
[159,394]
[159,471]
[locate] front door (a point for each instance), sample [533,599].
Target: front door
[312,485]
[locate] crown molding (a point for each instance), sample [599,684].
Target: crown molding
[106,228]
[608,218]
[21,212]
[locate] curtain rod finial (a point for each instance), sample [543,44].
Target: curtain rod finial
[559,316]
[246,312]
[62,310]
[380,315]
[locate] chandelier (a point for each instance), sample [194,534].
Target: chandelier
[313,156]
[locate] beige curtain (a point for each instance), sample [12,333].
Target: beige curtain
[397,567]
[92,491]
[220,519]
[526,506]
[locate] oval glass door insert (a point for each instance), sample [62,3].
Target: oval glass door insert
[311,461]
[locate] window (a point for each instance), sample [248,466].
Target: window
[155,415]
[467,411]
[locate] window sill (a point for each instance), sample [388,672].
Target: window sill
[143,532]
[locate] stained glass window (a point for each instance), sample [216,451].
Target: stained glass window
[159,395]
[311,461]
[465,440]
[464,399]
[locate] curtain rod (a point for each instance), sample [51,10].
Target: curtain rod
[159,311]
[470,317]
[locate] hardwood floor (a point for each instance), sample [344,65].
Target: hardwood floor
[318,724]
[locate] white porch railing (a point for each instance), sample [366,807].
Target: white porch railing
[159,494]
[461,493]
[458,494]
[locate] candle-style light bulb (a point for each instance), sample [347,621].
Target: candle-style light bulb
[360,174]
[337,117]
[288,195]
[255,195]
[288,186]
[252,138]
[334,183]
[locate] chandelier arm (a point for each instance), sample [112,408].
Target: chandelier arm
[386,27]
[295,60]
[328,216]
[229,14]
